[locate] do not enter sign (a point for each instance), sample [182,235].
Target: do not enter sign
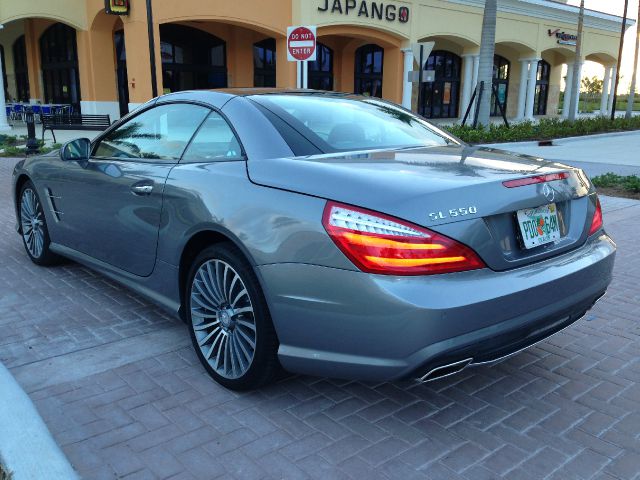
[301,43]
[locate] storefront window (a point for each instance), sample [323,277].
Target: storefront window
[20,69]
[369,65]
[191,59]
[321,70]
[59,63]
[264,63]
[121,72]
[542,88]
[440,98]
[4,72]
[501,68]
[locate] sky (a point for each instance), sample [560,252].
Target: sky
[615,7]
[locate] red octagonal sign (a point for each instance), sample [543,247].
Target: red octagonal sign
[301,44]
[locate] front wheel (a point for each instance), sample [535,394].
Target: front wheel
[33,227]
[229,320]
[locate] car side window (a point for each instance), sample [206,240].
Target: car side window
[214,142]
[160,133]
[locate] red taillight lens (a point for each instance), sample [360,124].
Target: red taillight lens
[521,182]
[377,243]
[596,223]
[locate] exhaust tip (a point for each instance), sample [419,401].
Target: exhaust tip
[445,370]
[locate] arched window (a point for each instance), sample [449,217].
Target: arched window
[321,69]
[191,59]
[542,88]
[368,70]
[264,63]
[501,68]
[440,98]
[20,69]
[59,63]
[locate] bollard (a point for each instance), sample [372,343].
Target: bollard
[33,146]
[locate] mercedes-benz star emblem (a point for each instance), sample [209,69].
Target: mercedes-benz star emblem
[548,192]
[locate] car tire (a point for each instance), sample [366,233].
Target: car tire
[33,227]
[229,321]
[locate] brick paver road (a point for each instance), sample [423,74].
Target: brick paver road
[117,383]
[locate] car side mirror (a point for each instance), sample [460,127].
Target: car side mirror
[78,149]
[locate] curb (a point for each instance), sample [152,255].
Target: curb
[27,448]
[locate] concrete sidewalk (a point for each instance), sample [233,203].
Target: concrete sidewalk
[595,154]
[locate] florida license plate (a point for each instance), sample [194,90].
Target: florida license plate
[539,226]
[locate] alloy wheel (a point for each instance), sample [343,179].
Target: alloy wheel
[223,319]
[31,220]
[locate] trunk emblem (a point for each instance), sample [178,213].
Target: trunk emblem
[548,192]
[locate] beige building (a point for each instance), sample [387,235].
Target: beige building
[73,52]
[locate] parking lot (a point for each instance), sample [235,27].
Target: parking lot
[118,385]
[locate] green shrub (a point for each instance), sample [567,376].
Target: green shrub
[7,140]
[545,129]
[14,152]
[630,183]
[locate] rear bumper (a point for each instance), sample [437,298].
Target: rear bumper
[340,323]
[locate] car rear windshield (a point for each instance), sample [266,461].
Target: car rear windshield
[338,124]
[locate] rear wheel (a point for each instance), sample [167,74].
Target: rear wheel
[229,320]
[33,227]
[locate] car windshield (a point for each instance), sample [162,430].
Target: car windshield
[338,124]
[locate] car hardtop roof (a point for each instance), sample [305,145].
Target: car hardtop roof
[219,97]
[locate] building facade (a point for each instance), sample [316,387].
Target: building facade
[73,52]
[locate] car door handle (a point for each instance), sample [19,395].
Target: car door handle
[142,188]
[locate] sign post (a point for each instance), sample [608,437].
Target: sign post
[301,47]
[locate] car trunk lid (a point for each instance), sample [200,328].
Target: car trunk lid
[456,190]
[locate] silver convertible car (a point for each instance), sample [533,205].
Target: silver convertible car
[327,234]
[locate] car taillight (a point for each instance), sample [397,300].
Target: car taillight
[596,222]
[377,243]
[521,182]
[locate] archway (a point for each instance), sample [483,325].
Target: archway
[362,60]
[191,59]
[59,65]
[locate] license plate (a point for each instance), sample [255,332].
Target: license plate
[539,226]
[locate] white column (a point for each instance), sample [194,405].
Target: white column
[531,88]
[522,93]
[566,102]
[577,94]
[604,101]
[467,84]
[474,83]
[407,86]
[612,87]
[3,106]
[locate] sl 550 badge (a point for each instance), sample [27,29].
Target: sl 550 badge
[453,213]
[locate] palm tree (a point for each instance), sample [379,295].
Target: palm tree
[632,90]
[485,68]
[575,83]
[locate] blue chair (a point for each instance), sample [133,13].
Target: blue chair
[37,111]
[18,111]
